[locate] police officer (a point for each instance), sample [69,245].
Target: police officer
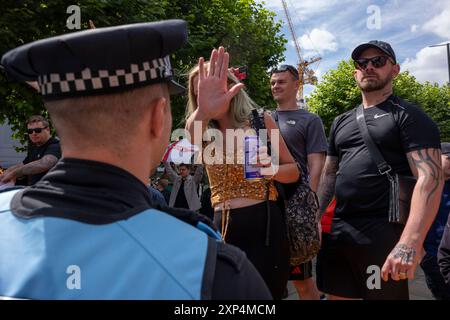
[87,230]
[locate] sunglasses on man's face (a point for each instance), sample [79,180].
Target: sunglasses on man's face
[37,130]
[289,68]
[377,62]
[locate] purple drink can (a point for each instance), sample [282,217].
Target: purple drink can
[251,147]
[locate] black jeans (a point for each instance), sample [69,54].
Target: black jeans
[433,276]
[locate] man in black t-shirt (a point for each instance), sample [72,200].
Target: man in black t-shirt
[363,241]
[43,153]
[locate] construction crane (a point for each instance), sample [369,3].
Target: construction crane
[306,75]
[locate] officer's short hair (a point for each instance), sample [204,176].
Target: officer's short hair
[108,119]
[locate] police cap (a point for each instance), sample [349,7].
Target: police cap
[99,61]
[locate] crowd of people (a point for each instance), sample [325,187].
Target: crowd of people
[99,208]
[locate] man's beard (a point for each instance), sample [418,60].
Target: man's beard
[374,85]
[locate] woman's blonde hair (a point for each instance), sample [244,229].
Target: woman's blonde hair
[240,106]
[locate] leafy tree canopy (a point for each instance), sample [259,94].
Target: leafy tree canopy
[245,28]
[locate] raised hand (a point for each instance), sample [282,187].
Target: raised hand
[214,97]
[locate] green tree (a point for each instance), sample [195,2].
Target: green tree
[338,92]
[245,28]
[25,21]
[335,94]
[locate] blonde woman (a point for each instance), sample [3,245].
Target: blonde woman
[241,210]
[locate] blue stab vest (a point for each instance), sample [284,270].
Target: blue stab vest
[151,255]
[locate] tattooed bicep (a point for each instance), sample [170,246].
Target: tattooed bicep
[425,162]
[49,160]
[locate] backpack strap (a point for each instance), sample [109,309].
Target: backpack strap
[257,120]
[209,270]
[275,116]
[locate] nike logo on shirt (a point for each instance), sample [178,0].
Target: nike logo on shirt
[376,116]
[291,122]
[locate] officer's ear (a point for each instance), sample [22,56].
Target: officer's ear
[158,117]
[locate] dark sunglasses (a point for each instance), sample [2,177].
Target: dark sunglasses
[37,130]
[286,67]
[377,62]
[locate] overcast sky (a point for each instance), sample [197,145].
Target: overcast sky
[332,28]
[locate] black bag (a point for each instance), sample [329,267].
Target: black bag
[401,191]
[257,123]
[301,206]
[400,187]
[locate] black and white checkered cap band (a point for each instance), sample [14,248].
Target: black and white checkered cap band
[90,81]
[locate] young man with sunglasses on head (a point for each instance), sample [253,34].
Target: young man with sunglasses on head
[305,137]
[43,153]
[362,238]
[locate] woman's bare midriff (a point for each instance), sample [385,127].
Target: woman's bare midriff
[237,203]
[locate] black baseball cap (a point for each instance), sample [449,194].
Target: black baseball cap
[380,45]
[100,61]
[445,148]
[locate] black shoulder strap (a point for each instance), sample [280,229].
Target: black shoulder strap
[209,271]
[257,120]
[275,116]
[257,123]
[383,166]
[235,277]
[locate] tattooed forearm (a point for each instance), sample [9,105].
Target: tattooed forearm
[327,184]
[38,166]
[14,167]
[426,163]
[404,253]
